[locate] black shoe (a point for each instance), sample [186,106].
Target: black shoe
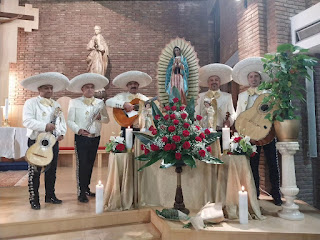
[83,199]
[277,201]
[35,205]
[90,194]
[53,200]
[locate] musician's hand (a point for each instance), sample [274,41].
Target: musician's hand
[226,123]
[50,127]
[128,107]
[59,138]
[83,132]
[98,117]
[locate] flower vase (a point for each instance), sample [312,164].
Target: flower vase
[179,204]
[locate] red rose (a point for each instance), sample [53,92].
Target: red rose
[199,139]
[166,117]
[167,147]
[185,133]
[157,117]
[207,131]
[197,127]
[209,149]
[146,151]
[186,145]
[173,108]
[175,122]
[167,108]
[199,117]
[202,153]
[186,125]
[171,128]
[175,100]
[182,108]
[164,139]
[184,115]
[142,147]
[178,156]
[173,146]
[154,147]
[237,139]
[253,154]
[120,147]
[202,135]
[172,116]
[154,132]
[176,138]
[229,153]
[151,128]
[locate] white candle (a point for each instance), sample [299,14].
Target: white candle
[99,198]
[6,109]
[225,138]
[129,138]
[243,206]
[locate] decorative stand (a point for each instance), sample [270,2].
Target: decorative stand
[290,210]
[179,204]
[6,123]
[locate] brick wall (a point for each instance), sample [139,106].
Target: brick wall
[136,32]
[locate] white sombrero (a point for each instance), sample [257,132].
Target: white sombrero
[57,80]
[246,66]
[123,79]
[224,72]
[97,80]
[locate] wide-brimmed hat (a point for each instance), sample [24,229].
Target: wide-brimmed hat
[57,80]
[224,72]
[97,80]
[246,66]
[123,79]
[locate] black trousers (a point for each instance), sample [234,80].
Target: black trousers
[49,178]
[86,151]
[271,156]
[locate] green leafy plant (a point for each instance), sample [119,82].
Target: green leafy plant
[116,145]
[177,138]
[241,145]
[286,67]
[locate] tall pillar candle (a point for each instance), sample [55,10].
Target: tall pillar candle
[99,198]
[6,109]
[225,138]
[129,138]
[243,206]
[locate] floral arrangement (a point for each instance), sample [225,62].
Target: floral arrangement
[240,145]
[177,138]
[116,145]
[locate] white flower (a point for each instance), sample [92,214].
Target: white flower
[254,148]
[119,139]
[247,139]
[112,138]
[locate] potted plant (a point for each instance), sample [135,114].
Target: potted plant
[287,67]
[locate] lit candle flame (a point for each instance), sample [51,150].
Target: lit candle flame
[242,188]
[128,126]
[99,182]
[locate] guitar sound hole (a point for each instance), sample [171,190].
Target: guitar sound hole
[265,127]
[264,108]
[45,143]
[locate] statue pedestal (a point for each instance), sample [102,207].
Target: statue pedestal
[289,189]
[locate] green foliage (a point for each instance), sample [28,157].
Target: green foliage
[286,67]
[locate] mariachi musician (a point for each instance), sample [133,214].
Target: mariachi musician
[249,72]
[38,118]
[85,116]
[131,81]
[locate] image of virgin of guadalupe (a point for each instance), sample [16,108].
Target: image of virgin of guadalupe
[177,75]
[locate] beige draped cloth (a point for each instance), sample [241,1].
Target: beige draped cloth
[157,187]
[232,175]
[118,194]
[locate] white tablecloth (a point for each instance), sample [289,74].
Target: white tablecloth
[13,142]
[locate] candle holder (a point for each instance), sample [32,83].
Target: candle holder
[179,204]
[5,123]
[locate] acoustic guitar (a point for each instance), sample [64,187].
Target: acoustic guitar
[40,153]
[120,115]
[252,122]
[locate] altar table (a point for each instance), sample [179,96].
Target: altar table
[13,142]
[232,175]
[118,194]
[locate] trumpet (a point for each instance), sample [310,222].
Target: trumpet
[95,115]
